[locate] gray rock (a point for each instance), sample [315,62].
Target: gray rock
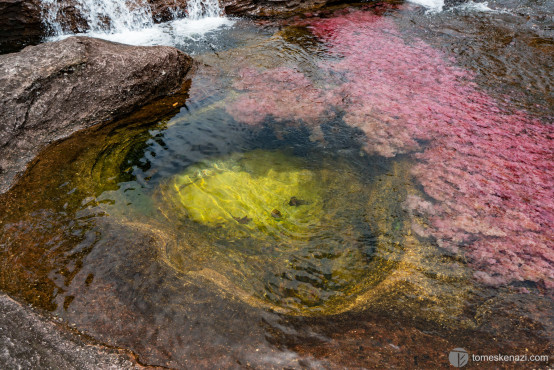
[51,90]
[30,341]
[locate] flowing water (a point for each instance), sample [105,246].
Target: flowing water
[132,21]
[363,186]
[101,15]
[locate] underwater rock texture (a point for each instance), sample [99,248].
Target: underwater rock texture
[20,24]
[45,344]
[290,236]
[486,167]
[51,90]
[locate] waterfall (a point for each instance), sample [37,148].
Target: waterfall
[198,9]
[99,15]
[115,16]
[132,21]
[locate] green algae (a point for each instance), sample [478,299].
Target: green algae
[342,242]
[257,188]
[339,243]
[286,232]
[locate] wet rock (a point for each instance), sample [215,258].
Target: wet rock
[43,344]
[21,20]
[20,24]
[66,14]
[69,16]
[270,7]
[165,10]
[452,3]
[51,90]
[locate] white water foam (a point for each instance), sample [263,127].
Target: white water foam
[435,6]
[431,5]
[102,15]
[478,7]
[198,9]
[169,33]
[131,22]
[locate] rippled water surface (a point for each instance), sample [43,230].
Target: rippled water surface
[361,186]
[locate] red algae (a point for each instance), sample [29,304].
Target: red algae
[286,94]
[487,171]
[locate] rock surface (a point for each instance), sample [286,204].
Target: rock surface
[270,7]
[29,341]
[165,10]
[20,24]
[51,90]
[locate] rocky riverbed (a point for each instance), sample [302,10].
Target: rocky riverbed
[325,186]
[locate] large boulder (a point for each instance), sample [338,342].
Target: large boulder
[51,90]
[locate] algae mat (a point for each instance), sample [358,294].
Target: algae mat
[279,232]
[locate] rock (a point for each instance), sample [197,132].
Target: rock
[20,24]
[269,7]
[30,341]
[68,15]
[51,90]
[165,10]
[451,3]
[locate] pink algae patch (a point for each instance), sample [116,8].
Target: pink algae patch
[489,172]
[281,92]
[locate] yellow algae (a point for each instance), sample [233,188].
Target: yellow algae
[253,191]
[289,233]
[338,244]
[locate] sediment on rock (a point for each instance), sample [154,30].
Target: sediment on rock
[51,90]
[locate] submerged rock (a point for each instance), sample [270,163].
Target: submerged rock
[45,344]
[49,91]
[348,247]
[310,259]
